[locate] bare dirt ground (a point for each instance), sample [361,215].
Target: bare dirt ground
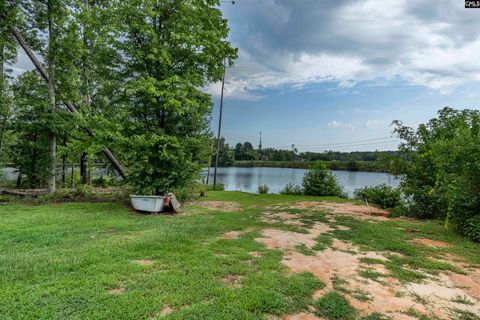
[340,266]
[336,208]
[220,206]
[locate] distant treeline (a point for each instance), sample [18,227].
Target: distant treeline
[370,166]
[245,155]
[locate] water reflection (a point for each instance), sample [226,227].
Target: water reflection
[248,179]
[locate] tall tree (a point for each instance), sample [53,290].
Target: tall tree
[170,49]
[8,17]
[52,139]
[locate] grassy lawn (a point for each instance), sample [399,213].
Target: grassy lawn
[105,261]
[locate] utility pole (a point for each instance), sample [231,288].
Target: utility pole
[260,145]
[219,126]
[220,116]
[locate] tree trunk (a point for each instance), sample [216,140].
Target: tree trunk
[64,163]
[3,105]
[83,169]
[51,90]
[33,176]
[72,175]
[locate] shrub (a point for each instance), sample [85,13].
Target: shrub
[441,171]
[472,228]
[321,182]
[385,196]
[291,188]
[263,189]
[218,187]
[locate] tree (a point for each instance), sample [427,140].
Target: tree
[170,48]
[442,169]
[8,50]
[32,116]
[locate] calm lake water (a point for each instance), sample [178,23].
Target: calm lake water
[248,179]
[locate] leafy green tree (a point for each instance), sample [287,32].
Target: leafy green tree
[442,167]
[31,126]
[170,49]
[8,51]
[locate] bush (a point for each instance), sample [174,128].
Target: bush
[472,228]
[218,187]
[321,182]
[263,189]
[291,188]
[385,196]
[440,168]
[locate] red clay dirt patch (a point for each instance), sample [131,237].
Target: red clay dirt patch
[431,243]
[301,316]
[143,262]
[345,208]
[387,296]
[287,240]
[232,235]
[225,206]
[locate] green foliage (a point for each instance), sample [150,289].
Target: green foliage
[218,187]
[263,189]
[472,228]
[385,196]
[321,182]
[163,163]
[291,188]
[442,168]
[334,306]
[169,50]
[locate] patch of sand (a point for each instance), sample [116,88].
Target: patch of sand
[117,291]
[302,316]
[285,215]
[232,235]
[143,262]
[225,206]
[431,243]
[233,280]
[166,311]
[287,240]
[255,254]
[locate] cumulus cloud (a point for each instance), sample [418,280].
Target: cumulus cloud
[293,43]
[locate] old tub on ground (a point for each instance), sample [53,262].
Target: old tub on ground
[155,204]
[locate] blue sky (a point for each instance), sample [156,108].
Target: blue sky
[330,74]
[322,74]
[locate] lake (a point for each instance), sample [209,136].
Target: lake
[248,179]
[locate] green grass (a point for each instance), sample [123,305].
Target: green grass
[59,261]
[334,306]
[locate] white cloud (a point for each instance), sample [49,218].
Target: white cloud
[334,124]
[432,43]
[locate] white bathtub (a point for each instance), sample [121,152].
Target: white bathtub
[147,203]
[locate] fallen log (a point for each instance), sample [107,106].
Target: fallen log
[23,192]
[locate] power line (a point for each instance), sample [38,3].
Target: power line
[355,142]
[354,145]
